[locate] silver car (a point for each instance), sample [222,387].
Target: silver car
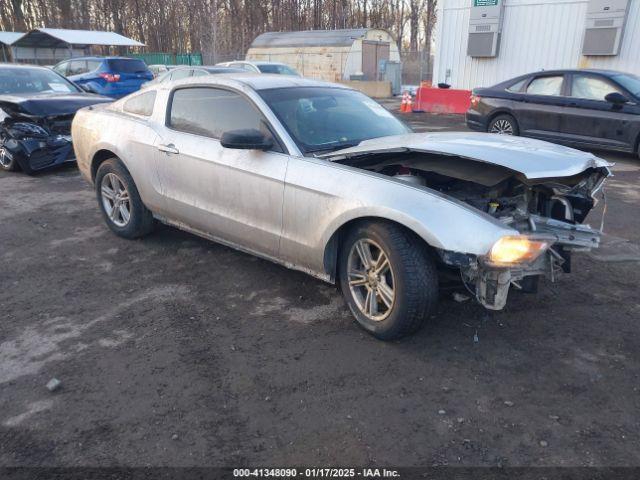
[320,178]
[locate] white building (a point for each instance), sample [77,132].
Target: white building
[533,35]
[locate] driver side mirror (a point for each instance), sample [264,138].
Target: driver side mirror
[616,98]
[246,139]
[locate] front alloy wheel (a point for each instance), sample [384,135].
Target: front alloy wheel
[115,199]
[388,278]
[6,162]
[371,280]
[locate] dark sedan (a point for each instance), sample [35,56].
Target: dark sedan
[37,106]
[581,108]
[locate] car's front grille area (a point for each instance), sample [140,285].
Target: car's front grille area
[48,156]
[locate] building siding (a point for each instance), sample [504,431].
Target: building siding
[331,63]
[536,35]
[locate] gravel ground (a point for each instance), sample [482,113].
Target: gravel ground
[177,351]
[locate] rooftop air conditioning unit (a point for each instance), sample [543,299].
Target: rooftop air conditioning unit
[605,27]
[485,27]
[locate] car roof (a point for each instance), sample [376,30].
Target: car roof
[256,81]
[22,65]
[95,57]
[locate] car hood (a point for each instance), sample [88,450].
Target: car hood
[49,104]
[534,159]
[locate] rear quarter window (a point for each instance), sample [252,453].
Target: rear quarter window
[141,104]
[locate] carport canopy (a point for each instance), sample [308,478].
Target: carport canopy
[63,38]
[7,38]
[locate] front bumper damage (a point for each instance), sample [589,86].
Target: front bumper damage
[35,143]
[491,284]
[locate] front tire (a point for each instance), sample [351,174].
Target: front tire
[388,279]
[503,125]
[7,164]
[120,202]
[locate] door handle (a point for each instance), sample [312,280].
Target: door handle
[169,148]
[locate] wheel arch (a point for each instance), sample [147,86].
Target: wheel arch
[332,246]
[99,158]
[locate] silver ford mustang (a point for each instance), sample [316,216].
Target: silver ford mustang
[320,178]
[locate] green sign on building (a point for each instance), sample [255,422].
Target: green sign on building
[485,3]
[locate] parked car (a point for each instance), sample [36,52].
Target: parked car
[322,179]
[186,72]
[261,67]
[110,76]
[580,108]
[36,109]
[159,69]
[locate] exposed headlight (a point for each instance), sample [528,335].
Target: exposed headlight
[514,250]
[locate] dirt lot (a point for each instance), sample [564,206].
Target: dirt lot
[177,351]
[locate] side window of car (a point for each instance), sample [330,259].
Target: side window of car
[200,73]
[517,87]
[212,111]
[182,73]
[93,65]
[588,87]
[141,104]
[77,67]
[61,68]
[550,85]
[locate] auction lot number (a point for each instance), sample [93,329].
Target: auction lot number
[315,473]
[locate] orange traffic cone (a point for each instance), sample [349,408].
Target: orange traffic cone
[407,105]
[403,104]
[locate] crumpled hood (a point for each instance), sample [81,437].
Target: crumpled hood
[534,159]
[49,104]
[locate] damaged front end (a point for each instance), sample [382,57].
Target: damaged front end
[35,142]
[548,214]
[546,203]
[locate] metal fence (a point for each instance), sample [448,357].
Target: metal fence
[161,58]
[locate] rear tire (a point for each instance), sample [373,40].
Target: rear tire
[503,125]
[120,202]
[393,301]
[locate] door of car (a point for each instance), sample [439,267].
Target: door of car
[590,120]
[234,195]
[538,111]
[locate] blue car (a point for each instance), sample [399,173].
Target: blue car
[113,77]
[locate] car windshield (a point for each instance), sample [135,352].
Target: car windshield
[33,80]
[275,68]
[324,118]
[630,82]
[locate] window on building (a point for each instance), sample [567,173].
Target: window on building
[551,85]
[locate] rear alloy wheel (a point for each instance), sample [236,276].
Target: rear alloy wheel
[115,200]
[503,125]
[7,163]
[388,279]
[120,202]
